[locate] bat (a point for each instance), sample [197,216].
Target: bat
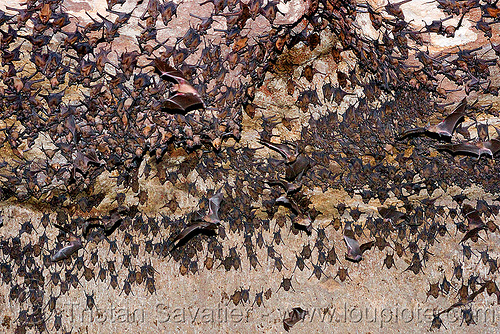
[394,9]
[490,147]
[186,97]
[288,153]
[472,234]
[470,298]
[294,316]
[286,201]
[75,243]
[472,216]
[442,129]
[209,222]
[302,222]
[203,225]
[354,250]
[297,169]
[290,188]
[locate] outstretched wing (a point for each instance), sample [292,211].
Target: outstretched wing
[448,125]
[461,148]
[410,132]
[353,249]
[493,145]
[188,230]
[214,205]
[168,72]
[183,102]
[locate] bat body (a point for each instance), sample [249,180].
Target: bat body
[65,252]
[186,97]
[288,153]
[294,316]
[490,147]
[442,129]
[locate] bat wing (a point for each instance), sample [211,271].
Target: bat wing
[183,102]
[282,149]
[411,132]
[294,316]
[448,125]
[461,148]
[493,145]
[353,249]
[473,295]
[168,72]
[461,107]
[188,230]
[471,233]
[66,251]
[290,188]
[366,246]
[296,169]
[214,205]
[287,201]
[472,216]
[288,323]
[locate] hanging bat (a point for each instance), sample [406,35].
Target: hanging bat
[209,222]
[75,243]
[294,316]
[186,97]
[490,147]
[288,153]
[443,129]
[354,250]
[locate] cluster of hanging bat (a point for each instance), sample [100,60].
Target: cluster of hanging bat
[296,164]
[444,131]
[185,98]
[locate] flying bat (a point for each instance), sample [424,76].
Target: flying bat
[490,147]
[208,222]
[290,188]
[354,250]
[296,170]
[75,243]
[303,222]
[472,216]
[186,97]
[286,201]
[473,234]
[290,154]
[443,129]
[294,316]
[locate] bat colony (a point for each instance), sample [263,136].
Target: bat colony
[175,111]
